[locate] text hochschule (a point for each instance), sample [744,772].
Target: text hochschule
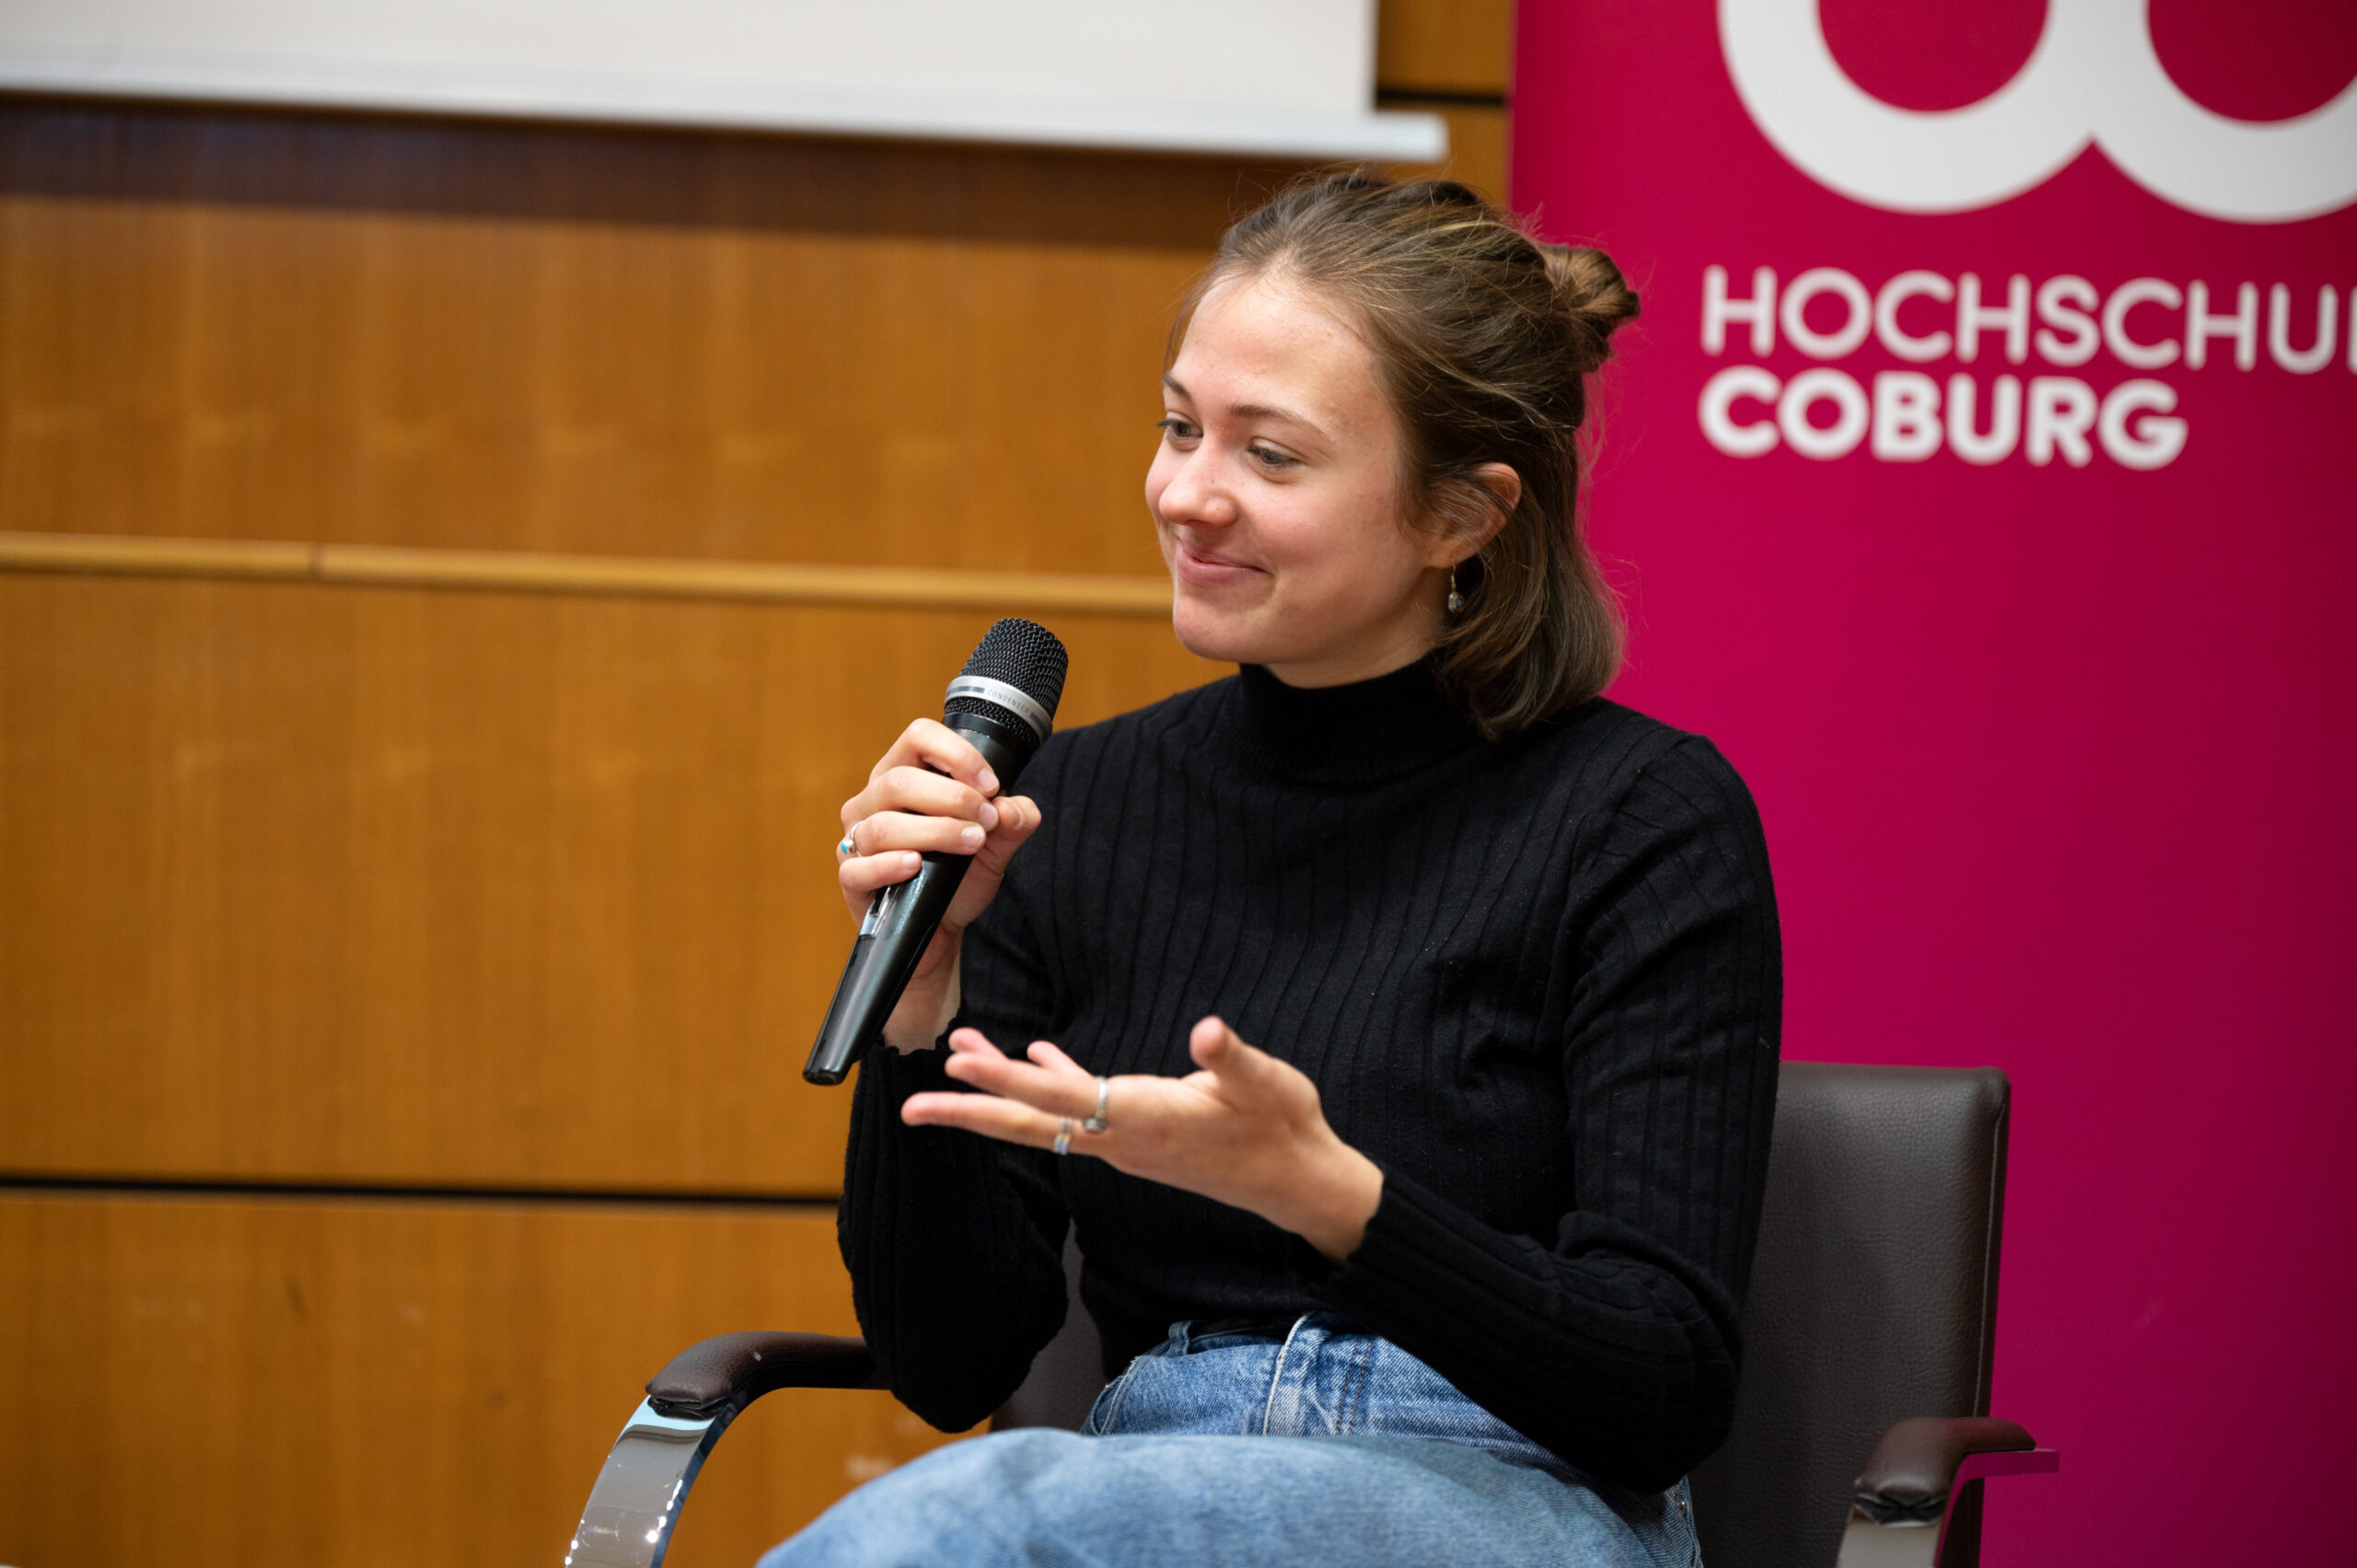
[1922,317]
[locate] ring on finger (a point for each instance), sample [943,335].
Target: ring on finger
[850,844]
[1064,1136]
[1095,1121]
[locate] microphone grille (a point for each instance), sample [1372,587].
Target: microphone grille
[1026,655]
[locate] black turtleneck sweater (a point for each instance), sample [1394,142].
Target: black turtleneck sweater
[1538,981]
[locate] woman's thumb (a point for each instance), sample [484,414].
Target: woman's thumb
[1219,1049]
[1018,818]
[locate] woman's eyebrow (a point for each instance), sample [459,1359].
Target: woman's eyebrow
[1266,410]
[1253,410]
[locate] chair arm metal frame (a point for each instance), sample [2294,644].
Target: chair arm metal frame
[635,1505]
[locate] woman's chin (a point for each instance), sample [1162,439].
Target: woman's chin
[1224,636]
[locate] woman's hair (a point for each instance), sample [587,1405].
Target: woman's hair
[1485,338]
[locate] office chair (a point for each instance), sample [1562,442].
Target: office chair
[1868,1329]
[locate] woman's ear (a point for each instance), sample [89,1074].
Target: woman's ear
[1471,509]
[1505,486]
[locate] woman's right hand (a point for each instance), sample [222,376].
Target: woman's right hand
[931,791]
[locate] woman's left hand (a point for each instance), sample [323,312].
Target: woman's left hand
[1243,1128]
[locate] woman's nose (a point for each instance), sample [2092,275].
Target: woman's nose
[1197,496]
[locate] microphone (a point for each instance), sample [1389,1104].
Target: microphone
[1003,702]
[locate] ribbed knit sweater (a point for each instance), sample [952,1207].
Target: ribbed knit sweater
[1538,981]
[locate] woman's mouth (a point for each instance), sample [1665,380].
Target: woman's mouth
[1203,570]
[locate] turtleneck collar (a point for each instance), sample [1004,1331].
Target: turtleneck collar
[1361,733]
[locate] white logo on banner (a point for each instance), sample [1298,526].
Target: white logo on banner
[2092,77]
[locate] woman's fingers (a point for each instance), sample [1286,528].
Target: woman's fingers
[987,1114]
[973,1041]
[1071,1089]
[932,792]
[886,846]
[930,770]
[1048,1053]
[901,831]
[1011,1117]
[1010,1109]
[864,875]
[920,791]
[1053,1084]
[929,743]
[1050,1082]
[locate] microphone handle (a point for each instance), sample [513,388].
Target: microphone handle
[898,928]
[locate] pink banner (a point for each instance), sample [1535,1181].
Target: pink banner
[1980,479]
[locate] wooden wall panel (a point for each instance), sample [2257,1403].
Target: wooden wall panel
[316,883]
[1476,147]
[1453,47]
[1453,58]
[340,1384]
[290,325]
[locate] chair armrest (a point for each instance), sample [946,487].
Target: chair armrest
[728,1372]
[1917,1503]
[1920,1463]
[689,1404]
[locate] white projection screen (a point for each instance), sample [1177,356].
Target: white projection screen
[1288,78]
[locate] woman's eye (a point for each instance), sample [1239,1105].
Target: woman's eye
[1177,429]
[1270,458]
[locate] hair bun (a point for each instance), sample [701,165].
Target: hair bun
[1592,290]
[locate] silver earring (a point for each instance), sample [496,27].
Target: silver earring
[1456,599]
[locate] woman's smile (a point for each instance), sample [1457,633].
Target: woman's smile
[1199,567]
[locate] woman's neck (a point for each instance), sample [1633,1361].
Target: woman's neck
[1358,732]
[1393,646]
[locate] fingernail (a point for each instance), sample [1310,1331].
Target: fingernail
[911,860]
[970,837]
[990,815]
[989,782]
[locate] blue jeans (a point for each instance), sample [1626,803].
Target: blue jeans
[1326,1448]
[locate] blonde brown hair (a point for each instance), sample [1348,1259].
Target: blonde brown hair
[1485,339]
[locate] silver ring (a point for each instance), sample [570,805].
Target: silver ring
[1104,1097]
[846,847]
[1064,1136]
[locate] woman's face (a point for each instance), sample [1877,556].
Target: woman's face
[1276,495]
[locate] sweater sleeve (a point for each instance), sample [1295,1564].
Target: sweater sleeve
[1616,1341]
[955,1242]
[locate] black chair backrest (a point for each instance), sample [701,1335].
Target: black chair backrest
[1873,1298]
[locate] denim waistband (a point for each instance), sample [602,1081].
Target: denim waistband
[1200,1330]
[1319,1375]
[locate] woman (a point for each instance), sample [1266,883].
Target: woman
[1445,1263]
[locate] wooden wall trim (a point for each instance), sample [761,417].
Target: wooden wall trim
[367,565]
